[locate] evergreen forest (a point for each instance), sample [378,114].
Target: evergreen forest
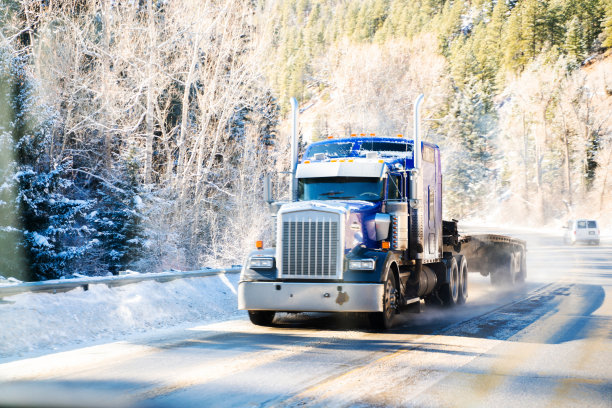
[137,134]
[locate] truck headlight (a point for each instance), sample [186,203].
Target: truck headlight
[262,263]
[362,264]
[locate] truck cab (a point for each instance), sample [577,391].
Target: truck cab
[348,231]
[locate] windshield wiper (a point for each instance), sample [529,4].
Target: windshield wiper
[331,193]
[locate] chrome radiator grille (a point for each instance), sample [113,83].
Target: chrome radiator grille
[310,246]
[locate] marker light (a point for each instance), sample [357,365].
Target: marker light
[333,160]
[262,263]
[400,135]
[353,134]
[372,134]
[259,244]
[306,161]
[330,137]
[362,264]
[386,245]
[381,161]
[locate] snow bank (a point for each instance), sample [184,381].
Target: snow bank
[38,323]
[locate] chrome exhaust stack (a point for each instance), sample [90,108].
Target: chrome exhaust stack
[416,243]
[294,147]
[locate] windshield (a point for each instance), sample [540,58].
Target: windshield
[393,149]
[340,188]
[331,149]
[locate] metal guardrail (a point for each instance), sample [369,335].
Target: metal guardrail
[64,285]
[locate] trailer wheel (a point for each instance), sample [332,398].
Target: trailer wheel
[384,320]
[449,293]
[463,280]
[506,270]
[522,273]
[515,269]
[261,317]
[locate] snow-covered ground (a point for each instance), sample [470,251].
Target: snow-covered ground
[38,323]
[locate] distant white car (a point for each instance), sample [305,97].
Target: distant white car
[585,231]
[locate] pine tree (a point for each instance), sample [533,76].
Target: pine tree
[42,217]
[469,165]
[515,57]
[118,219]
[533,26]
[607,26]
[574,41]
[54,234]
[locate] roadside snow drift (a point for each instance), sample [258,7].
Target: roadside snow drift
[35,323]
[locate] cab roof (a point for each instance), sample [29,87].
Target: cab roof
[394,151]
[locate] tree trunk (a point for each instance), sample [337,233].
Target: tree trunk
[526,163]
[566,151]
[149,103]
[602,196]
[182,142]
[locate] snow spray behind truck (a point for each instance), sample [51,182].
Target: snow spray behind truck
[364,233]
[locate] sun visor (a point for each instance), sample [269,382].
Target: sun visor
[355,168]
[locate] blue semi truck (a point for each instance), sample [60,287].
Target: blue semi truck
[364,233]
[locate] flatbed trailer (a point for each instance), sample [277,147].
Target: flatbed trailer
[501,257]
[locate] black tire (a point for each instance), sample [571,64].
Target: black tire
[513,270]
[261,317]
[449,293]
[463,280]
[506,271]
[522,274]
[384,320]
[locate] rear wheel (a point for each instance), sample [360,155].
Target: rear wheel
[522,273]
[449,293]
[463,280]
[505,272]
[261,317]
[514,269]
[384,320]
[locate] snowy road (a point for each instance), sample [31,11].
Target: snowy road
[546,343]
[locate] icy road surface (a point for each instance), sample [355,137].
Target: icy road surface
[547,343]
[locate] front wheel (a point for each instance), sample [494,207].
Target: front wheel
[261,317]
[384,320]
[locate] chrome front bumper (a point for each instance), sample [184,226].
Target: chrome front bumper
[310,297]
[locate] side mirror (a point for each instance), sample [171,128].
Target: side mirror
[267,189]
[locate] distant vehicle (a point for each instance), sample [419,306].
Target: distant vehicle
[582,231]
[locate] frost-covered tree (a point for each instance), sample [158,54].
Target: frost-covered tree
[55,234]
[466,140]
[42,219]
[118,219]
